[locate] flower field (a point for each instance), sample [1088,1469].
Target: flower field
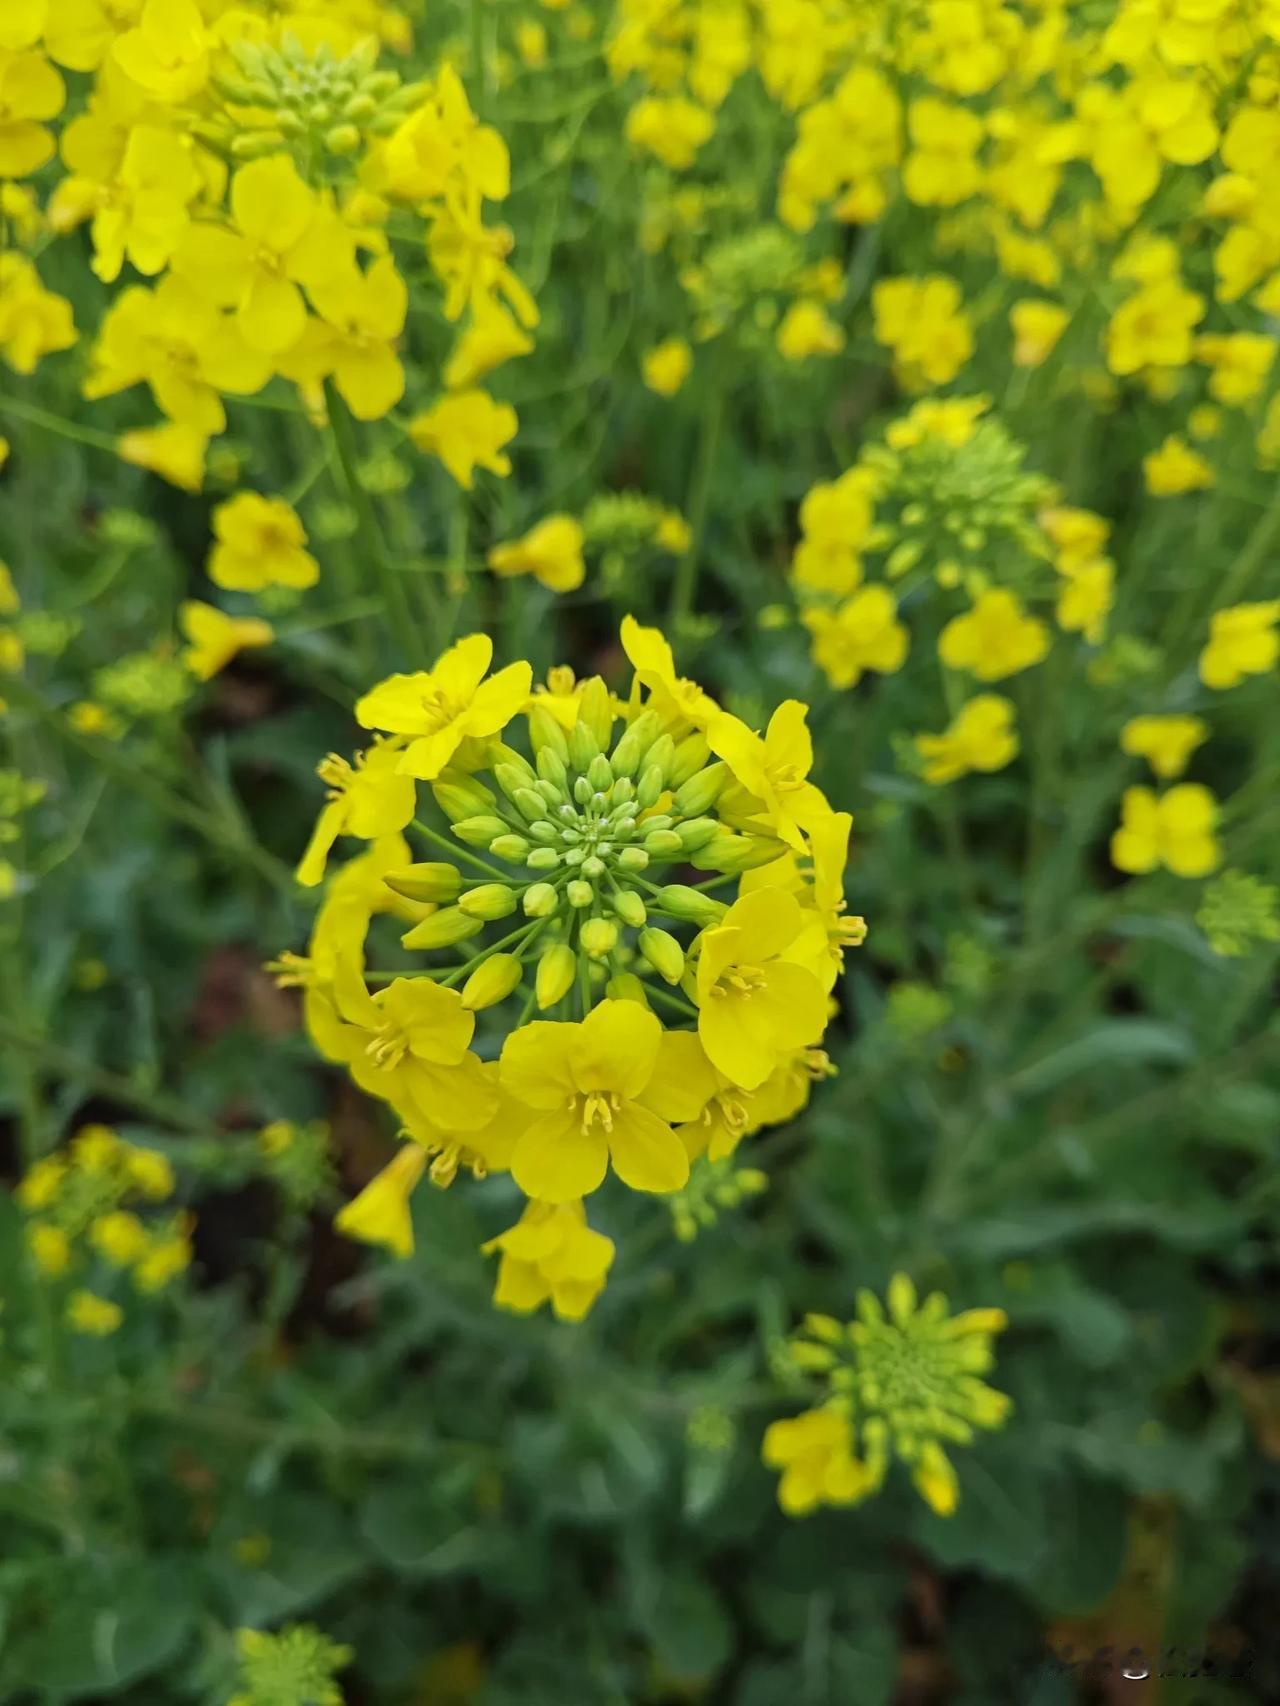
[639,852]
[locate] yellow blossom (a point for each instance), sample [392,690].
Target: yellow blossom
[674,129]
[1165,742]
[1174,829]
[1176,468]
[369,800]
[492,338]
[214,638]
[50,1248]
[1088,592]
[439,708]
[93,1315]
[805,330]
[923,322]
[467,431]
[260,542]
[174,451]
[995,639]
[814,1451]
[551,1254]
[380,1214]
[753,1004]
[551,552]
[1242,641]
[1037,326]
[981,737]
[860,634]
[666,366]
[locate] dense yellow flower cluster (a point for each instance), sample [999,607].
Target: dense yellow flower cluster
[81,1205]
[248,162]
[676,1022]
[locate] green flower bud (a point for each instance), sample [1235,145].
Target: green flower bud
[663,844]
[599,774]
[489,901]
[582,790]
[690,756]
[551,767]
[443,929]
[697,832]
[546,736]
[631,748]
[596,711]
[343,139]
[659,820]
[492,982]
[626,986]
[540,900]
[630,908]
[583,746]
[530,804]
[431,881]
[633,859]
[690,906]
[700,792]
[599,937]
[593,866]
[579,893]
[733,854]
[512,780]
[545,832]
[479,831]
[554,978]
[624,791]
[512,847]
[663,953]
[662,753]
[543,859]
[461,796]
[553,795]
[903,558]
[649,788]
[360,108]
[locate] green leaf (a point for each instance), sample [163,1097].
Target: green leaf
[1111,1043]
[687,1626]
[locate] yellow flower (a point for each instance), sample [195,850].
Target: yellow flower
[981,737]
[1037,326]
[33,321]
[1174,829]
[805,330]
[815,1454]
[676,699]
[923,322]
[1175,468]
[1165,742]
[774,768]
[666,366]
[167,55]
[531,42]
[441,707]
[363,314]
[942,168]
[467,431]
[369,800]
[173,451]
[862,633]
[50,1248]
[1153,328]
[150,1172]
[674,129]
[1078,535]
[673,533]
[1240,361]
[551,552]
[995,639]
[601,1095]
[215,638]
[96,1316]
[551,1254]
[380,1214]
[31,91]
[260,542]
[1086,597]
[279,240]
[1242,641]
[492,338]
[753,1004]
[119,1236]
[179,345]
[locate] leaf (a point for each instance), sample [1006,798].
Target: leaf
[687,1626]
[1111,1043]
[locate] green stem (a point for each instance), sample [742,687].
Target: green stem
[529,930]
[456,850]
[685,586]
[397,601]
[34,416]
[675,1002]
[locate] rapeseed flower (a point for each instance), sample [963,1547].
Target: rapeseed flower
[982,736]
[1174,829]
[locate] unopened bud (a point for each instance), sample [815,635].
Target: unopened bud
[433,880]
[690,756]
[462,796]
[554,979]
[633,859]
[663,953]
[492,982]
[489,901]
[479,831]
[530,804]
[689,905]
[512,847]
[631,748]
[630,908]
[626,986]
[443,929]
[599,774]
[700,792]
[663,844]
[733,854]
[599,937]
[511,779]
[596,711]
[551,768]
[546,736]
[578,893]
[649,787]
[539,900]
[543,859]
[583,746]
[343,139]
[662,753]
[593,866]
[697,832]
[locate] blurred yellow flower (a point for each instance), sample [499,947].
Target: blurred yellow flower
[551,552]
[1242,641]
[666,366]
[1174,829]
[981,737]
[467,431]
[551,1255]
[260,542]
[1176,468]
[1165,742]
[215,638]
[994,639]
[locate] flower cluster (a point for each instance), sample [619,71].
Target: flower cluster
[676,1022]
[295,1666]
[904,1384]
[83,1224]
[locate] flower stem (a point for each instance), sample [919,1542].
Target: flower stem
[685,586]
[457,851]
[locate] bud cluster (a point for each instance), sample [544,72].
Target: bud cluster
[311,102]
